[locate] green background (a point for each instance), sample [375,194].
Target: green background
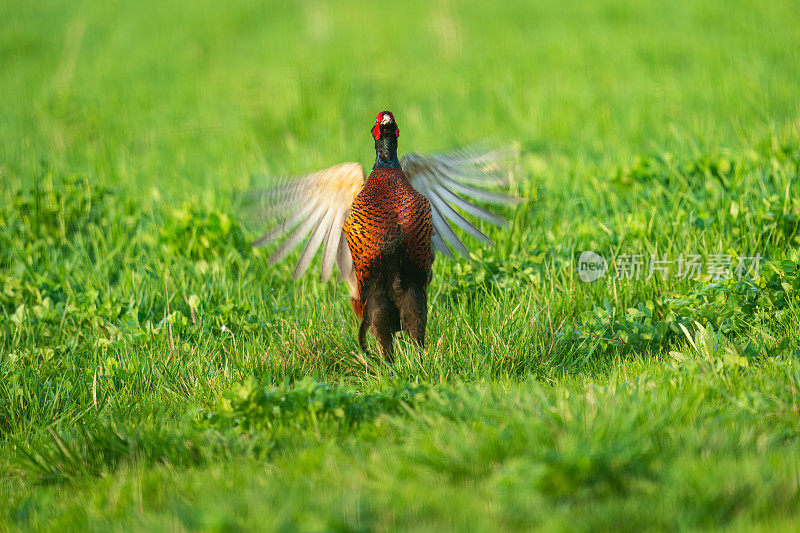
[156,373]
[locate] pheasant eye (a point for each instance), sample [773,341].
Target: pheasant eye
[379,117]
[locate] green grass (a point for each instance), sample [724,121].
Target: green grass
[156,373]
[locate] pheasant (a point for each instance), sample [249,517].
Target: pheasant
[381,232]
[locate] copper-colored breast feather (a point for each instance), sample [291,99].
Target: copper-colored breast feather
[388,203]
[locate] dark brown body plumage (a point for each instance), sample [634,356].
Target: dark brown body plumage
[389,232]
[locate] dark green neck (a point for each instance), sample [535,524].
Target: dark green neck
[386,150]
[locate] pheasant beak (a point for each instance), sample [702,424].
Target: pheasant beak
[387,118]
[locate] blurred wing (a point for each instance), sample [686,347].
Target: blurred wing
[314,206]
[447,180]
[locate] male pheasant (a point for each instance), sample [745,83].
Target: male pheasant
[390,224]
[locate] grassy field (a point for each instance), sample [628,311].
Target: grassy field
[156,373]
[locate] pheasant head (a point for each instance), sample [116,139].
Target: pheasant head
[385,132]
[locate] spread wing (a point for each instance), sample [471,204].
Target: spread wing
[315,204]
[447,180]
